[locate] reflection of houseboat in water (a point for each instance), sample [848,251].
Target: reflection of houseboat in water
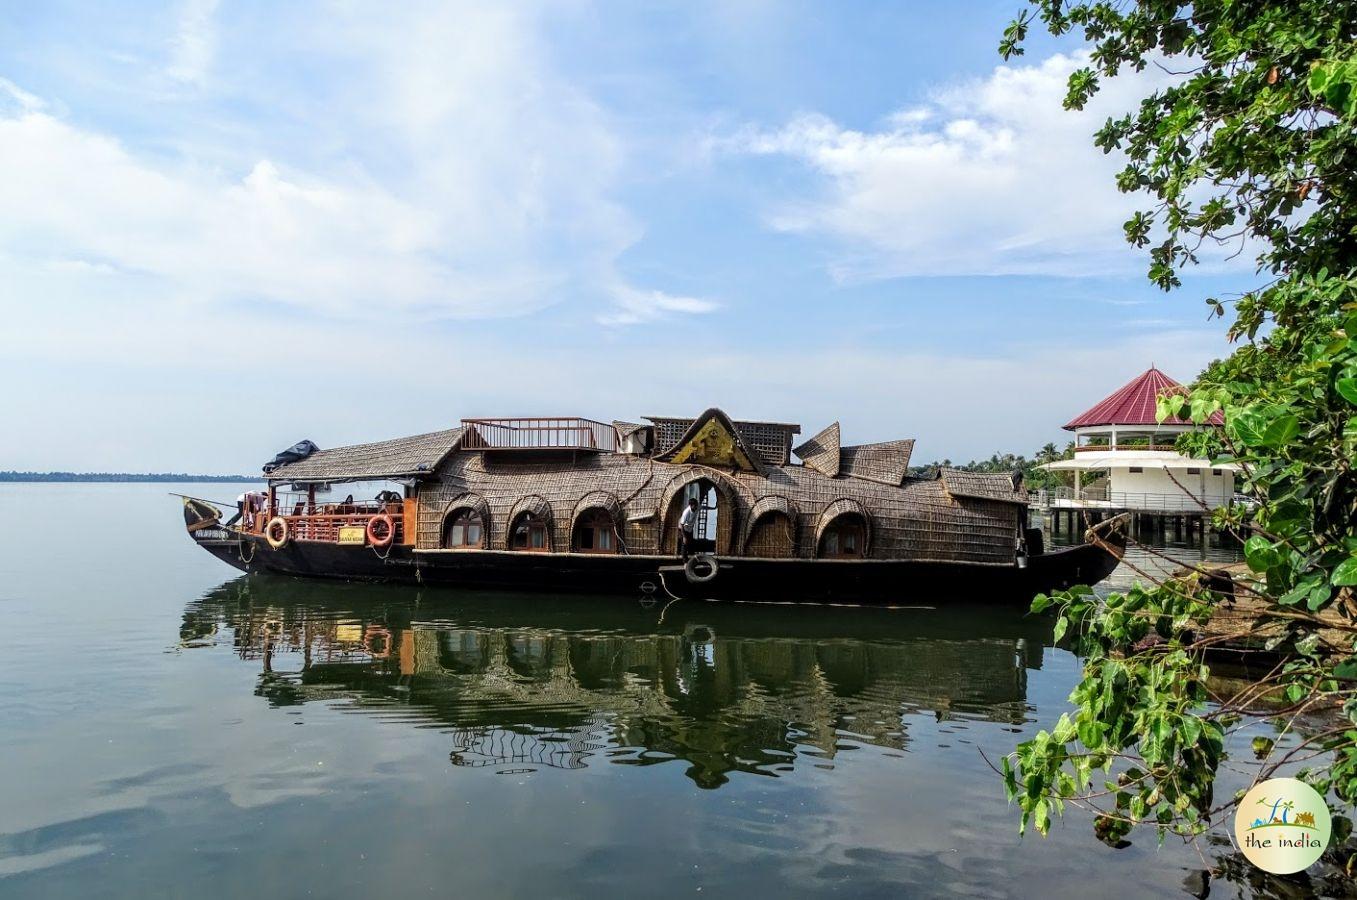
[519,684]
[571,504]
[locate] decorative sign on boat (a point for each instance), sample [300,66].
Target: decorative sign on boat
[352,534]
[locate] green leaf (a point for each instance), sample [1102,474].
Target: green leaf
[1010,780]
[1346,573]
[1060,626]
[1348,388]
[1192,730]
[1281,431]
[1260,553]
[1319,595]
[1042,817]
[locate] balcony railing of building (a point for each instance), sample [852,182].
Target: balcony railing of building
[570,433]
[1101,498]
[1103,448]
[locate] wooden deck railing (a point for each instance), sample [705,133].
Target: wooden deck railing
[570,433]
[325,527]
[323,521]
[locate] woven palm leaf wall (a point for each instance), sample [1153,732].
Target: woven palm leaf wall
[918,520]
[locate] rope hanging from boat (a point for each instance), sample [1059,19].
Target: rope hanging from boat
[240,549]
[673,598]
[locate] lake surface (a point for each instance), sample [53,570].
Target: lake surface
[170,728]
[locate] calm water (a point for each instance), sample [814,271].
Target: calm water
[170,729]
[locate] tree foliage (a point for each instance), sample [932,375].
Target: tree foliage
[1035,477]
[1252,147]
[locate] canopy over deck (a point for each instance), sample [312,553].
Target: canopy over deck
[407,457]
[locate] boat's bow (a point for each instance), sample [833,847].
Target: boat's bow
[1110,535]
[203,522]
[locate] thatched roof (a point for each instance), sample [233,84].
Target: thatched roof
[625,429]
[406,457]
[983,485]
[821,452]
[886,462]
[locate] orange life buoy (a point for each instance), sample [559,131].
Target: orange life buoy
[386,534]
[277,532]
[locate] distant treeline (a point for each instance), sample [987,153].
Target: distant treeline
[118,476]
[1033,476]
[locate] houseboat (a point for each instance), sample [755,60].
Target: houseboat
[570,504]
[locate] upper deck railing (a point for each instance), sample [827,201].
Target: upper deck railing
[1102,498]
[571,433]
[1103,448]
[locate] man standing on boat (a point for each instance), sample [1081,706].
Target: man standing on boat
[687,522]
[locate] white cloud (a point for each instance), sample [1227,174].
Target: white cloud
[988,177]
[449,171]
[634,306]
[195,42]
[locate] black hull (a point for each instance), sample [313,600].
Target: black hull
[875,582]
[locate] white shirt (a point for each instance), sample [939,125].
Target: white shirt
[688,519]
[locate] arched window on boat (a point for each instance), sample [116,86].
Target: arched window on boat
[772,529]
[529,525]
[529,532]
[844,539]
[844,531]
[596,524]
[595,532]
[464,531]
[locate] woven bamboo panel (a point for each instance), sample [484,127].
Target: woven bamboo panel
[771,528]
[886,462]
[821,452]
[917,519]
[983,485]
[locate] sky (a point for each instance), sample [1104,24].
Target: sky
[227,226]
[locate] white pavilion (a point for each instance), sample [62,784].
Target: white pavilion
[1138,467]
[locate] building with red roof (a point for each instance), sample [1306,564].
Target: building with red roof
[1121,438]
